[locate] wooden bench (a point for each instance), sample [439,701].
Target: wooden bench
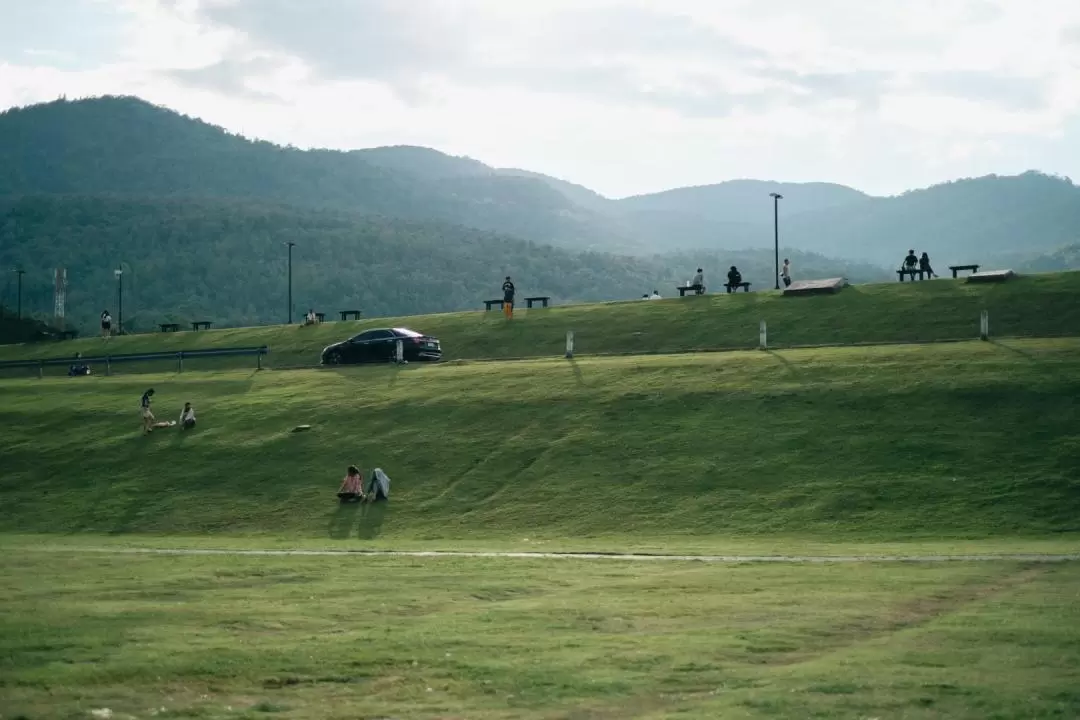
[696,289]
[67,335]
[169,327]
[957,268]
[201,325]
[346,314]
[488,304]
[912,272]
[320,317]
[735,287]
[543,300]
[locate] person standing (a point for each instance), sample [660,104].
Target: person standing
[146,412]
[106,324]
[508,298]
[785,273]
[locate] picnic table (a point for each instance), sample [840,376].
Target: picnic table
[321,317]
[346,314]
[734,287]
[957,268]
[541,299]
[912,272]
[488,304]
[683,289]
[201,325]
[169,327]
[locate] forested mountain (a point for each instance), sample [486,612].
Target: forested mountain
[127,146]
[225,261]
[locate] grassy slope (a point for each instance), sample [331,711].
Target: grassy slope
[1033,306]
[871,444]
[327,638]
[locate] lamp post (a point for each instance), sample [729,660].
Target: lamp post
[291,245]
[777,197]
[119,275]
[19,273]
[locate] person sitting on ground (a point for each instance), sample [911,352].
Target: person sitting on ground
[655,295]
[924,265]
[699,282]
[911,262]
[785,273]
[734,279]
[187,417]
[379,486]
[149,423]
[310,318]
[78,369]
[352,487]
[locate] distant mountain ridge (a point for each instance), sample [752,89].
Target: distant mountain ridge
[123,145]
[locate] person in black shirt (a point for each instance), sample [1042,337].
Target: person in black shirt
[924,265]
[508,298]
[734,278]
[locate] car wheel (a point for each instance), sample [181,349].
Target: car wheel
[333,358]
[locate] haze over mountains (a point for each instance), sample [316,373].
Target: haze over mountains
[94,182]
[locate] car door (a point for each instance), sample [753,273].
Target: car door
[381,347]
[359,347]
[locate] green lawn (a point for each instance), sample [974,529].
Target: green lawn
[326,638]
[1033,306]
[937,444]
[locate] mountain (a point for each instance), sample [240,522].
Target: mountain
[225,260]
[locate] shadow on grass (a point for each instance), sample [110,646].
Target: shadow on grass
[342,521]
[371,520]
[578,375]
[1034,359]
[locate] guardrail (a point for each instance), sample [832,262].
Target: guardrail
[109,360]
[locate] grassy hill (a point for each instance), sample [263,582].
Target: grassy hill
[1032,306]
[955,440]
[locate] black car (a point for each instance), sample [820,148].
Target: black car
[372,346]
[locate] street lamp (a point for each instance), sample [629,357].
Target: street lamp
[291,246]
[20,273]
[777,197]
[119,275]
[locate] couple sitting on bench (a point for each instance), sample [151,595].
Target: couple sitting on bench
[352,487]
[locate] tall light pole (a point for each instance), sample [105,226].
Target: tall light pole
[291,246]
[20,273]
[119,274]
[776,198]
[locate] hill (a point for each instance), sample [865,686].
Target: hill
[1033,306]
[968,440]
[126,146]
[226,261]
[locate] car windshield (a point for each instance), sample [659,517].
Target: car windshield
[407,333]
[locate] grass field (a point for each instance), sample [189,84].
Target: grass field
[319,638]
[880,445]
[1034,306]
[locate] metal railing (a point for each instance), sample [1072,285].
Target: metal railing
[109,360]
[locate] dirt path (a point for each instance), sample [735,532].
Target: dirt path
[626,557]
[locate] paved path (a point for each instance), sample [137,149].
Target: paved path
[632,557]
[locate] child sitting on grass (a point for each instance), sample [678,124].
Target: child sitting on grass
[352,487]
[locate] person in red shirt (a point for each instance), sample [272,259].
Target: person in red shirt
[352,487]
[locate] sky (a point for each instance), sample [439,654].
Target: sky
[623,96]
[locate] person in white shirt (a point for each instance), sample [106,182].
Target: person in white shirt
[187,417]
[785,273]
[655,295]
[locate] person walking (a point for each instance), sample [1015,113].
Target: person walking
[508,298]
[785,273]
[106,324]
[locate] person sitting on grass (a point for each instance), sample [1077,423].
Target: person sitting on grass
[379,487]
[352,487]
[187,417]
[310,318]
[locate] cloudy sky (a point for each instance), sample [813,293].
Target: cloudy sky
[625,96]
